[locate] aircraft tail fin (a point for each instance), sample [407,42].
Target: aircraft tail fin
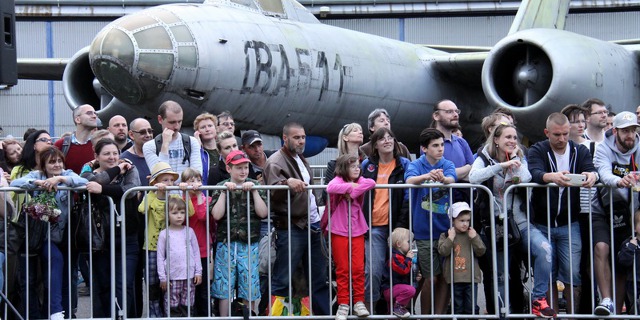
[540,14]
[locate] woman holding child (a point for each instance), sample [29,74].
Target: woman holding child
[500,164]
[112,177]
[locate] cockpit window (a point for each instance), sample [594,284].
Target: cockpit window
[246,3]
[154,38]
[274,6]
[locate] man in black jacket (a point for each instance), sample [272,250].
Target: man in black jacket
[554,161]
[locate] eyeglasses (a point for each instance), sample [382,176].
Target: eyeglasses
[45,140]
[144,131]
[228,124]
[578,122]
[603,112]
[458,111]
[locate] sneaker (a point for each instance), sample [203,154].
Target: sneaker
[343,312]
[541,308]
[605,307]
[400,311]
[360,309]
[58,316]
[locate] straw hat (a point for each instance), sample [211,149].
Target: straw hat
[159,169]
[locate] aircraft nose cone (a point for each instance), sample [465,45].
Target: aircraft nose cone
[133,57]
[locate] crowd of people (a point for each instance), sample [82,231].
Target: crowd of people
[186,247]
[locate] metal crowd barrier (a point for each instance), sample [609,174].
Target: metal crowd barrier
[590,286]
[119,308]
[22,266]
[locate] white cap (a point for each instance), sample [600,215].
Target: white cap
[457,208]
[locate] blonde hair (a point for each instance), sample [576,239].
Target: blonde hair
[204,116]
[189,173]
[400,234]
[346,130]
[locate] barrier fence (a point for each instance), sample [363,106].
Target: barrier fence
[119,290]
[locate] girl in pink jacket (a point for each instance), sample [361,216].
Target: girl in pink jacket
[347,226]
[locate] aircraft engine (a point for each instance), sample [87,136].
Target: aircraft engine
[539,71]
[77,81]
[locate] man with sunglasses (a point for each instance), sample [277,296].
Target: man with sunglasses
[140,132]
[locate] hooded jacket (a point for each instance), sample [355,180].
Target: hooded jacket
[612,165]
[542,160]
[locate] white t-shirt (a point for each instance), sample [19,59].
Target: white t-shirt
[562,164]
[175,156]
[313,208]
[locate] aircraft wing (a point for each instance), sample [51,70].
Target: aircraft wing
[462,68]
[41,69]
[458,49]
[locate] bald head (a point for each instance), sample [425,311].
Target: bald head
[140,131]
[118,127]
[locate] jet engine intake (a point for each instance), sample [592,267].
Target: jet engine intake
[539,71]
[77,81]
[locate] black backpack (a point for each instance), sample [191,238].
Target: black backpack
[186,144]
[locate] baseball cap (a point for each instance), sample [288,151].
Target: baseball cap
[625,119]
[457,208]
[236,157]
[250,136]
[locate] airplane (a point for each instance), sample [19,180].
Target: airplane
[270,62]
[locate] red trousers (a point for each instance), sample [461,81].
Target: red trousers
[340,250]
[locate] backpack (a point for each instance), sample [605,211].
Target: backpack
[66,144]
[186,144]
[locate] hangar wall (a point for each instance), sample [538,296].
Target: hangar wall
[41,104]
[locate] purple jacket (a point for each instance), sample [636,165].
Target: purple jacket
[340,207]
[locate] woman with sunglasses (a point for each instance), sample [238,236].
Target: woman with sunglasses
[112,177]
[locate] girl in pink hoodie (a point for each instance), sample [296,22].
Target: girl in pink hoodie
[347,226]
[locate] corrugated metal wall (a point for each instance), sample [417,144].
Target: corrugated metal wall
[32,103]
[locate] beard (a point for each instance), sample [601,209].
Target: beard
[625,144]
[450,125]
[294,149]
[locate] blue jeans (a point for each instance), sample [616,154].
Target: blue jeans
[463,295]
[566,267]
[375,252]
[540,256]
[301,249]
[58,281]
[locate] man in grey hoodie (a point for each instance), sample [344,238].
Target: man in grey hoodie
[615,158]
